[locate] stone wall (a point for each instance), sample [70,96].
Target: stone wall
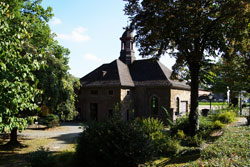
[184,97]
[143,97]
[104,100]
[127,105]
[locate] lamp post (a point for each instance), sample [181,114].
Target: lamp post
[210,97]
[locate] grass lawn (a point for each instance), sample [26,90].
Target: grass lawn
[213,103]
[231,149]
[17,157]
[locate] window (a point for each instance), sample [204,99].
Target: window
[177,112]
[110,92]
[154,105]
[94,92]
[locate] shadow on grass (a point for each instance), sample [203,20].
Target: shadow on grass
[13,159]
[180,160]
[8,147]
[69,138]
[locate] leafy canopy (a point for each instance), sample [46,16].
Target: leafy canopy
[191,31]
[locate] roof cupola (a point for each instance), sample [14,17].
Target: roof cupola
[127,50]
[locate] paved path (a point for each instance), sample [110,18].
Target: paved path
[63,135]
[241,121]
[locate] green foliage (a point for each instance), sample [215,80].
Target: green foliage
[168,118]
[181,124]
[233,72]
[162,142]
[51,121]
[32,65]
[113,143]
[152,125]
[217,125]
[222,118]
[180,134]
[18,85]
[180,131]
[226,117]
[195,140]
[41,158]
[193,33]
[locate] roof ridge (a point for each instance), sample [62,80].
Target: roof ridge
[124,74]
[163,68]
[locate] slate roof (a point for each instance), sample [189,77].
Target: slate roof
[115,73]
[146,72]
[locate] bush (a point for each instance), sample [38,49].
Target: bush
[226,117]
[196,140]
[181,124]
[113,143]
[162,142]
[152,125]
[217,125]
[51,121]
[40,158]
[180,134]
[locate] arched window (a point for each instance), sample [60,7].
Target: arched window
[154,105]
[177,106]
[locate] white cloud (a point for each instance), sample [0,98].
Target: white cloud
[91,57]
[56,21]
[77,35]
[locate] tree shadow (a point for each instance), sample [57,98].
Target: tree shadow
[13,159]
[180,159]
[69,138]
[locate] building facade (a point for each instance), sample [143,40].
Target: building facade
[139,88]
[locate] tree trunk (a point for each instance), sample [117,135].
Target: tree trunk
[194,114]
[13,138]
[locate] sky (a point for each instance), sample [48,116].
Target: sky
[91,30]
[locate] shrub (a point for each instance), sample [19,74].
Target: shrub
[151,125]
[113,143]
[163,143]
[217,125]
[51,121]
[226,117]
[180,134]
[40,158]
[181,124]
[196,140]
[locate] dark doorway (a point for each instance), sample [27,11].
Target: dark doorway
[94,111]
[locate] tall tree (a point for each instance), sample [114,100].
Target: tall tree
[56,83]
[190,31]
[17,81]
[233,73]
[29,58]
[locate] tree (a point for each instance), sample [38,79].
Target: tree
[192,32]
[17,82]
[56,83]
[234,73]
[30,57]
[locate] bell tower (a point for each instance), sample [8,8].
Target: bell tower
[127,54]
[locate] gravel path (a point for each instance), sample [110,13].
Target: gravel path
[63,135]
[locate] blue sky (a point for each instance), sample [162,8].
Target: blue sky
[91,30]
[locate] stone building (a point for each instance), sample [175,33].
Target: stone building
[140,87]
